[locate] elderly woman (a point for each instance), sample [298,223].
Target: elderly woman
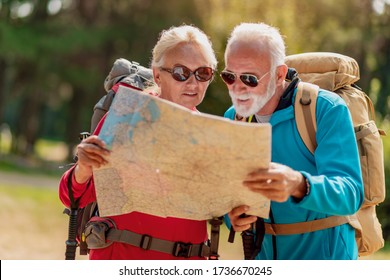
[183,66]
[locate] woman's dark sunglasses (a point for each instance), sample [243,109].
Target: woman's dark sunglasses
[182,73]
[248,79]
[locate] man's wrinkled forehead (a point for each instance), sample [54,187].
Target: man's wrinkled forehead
[240,45]
[251,48]
[241,53]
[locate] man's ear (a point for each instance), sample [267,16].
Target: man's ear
[156,76]
[281,72]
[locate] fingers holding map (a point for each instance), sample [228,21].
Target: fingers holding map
[169,161]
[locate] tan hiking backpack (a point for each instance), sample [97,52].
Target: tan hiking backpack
[338,73]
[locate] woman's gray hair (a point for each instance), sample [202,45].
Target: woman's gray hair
[267,38]
[182,34]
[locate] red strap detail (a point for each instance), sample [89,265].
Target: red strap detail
[100,124]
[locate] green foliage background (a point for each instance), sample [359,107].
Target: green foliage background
[55,54]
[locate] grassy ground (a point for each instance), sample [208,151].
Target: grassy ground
[34,227]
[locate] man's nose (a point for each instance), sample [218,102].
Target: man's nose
[239,87]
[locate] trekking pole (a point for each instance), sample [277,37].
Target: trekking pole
[71,243]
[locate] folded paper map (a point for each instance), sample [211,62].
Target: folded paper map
[169,161]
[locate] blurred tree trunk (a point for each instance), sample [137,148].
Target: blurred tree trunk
[2,89]
[383,74]
[74,123]
[30,113]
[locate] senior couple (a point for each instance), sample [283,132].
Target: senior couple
[301,186]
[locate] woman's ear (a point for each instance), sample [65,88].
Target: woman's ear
[156,76]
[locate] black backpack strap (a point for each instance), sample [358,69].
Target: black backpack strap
[252,239]
[260,232]
[248,243]
[214,237]
[71,243]
[232,234]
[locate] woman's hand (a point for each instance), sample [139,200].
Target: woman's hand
[91,153]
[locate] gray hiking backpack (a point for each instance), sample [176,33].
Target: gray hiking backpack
[129,74]
[124,73]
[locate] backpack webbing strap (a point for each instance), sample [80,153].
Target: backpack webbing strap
[252,239]
[71,243]
[100,111]
[214,237]
[368,129]
[260,232]
[147,242]
[305,113]
[232,234]
[305,227]
[248,243]
[88,212]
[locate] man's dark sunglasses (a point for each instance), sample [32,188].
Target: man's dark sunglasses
[248,79]
[182,73]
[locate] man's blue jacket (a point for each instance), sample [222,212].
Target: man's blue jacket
[334,175]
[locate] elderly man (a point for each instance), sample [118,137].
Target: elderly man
[302,187]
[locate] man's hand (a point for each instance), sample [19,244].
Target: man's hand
[91,153]
[277,183]
[238,223]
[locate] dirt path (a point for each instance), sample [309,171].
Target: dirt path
[37,230]
[14,178]
[41,228]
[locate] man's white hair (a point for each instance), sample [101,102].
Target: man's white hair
[267,38]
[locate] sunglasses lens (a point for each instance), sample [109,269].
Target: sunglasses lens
[228,77]
[249,80]
[181,73]
[204,74]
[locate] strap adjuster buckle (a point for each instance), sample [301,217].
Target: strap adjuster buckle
[181,249]
[146,242]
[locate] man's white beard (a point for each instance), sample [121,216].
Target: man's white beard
[258,101]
